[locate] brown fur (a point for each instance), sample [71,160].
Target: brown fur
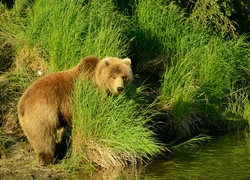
[45,105]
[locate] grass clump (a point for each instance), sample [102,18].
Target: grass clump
[70,30]
[110,131]
[154,30]
[64,31]
[204,69]
[202,65]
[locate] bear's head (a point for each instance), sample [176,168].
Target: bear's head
[113,74]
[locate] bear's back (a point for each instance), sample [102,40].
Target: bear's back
[50,89]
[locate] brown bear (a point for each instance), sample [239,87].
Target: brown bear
[45,106]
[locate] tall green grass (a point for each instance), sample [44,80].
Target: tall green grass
[154,30]
[64,31]
[109,131]
[203,66]
[70,30]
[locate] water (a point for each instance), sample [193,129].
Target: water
[224,157]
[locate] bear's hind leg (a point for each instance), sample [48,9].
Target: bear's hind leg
[46,157]
[43,140]
[46,149]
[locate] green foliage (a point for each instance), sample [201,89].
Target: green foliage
[154,29]
[193,142]
[12,24]
[209,14]
[69,30]
[12,86]
[201,73]
[110,131]
[230,16]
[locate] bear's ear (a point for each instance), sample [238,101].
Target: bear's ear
[127,61]
[107,61]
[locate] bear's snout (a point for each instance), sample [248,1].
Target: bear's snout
[120,89]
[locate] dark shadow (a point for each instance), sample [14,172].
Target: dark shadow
[64,145]
[8,3]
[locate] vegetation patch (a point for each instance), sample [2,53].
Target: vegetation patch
[110,131]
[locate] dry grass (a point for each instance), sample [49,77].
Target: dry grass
[31,60]
[11,89]
[105,157]
[18,160]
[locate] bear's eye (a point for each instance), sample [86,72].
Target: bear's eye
[113,77]
[124,79]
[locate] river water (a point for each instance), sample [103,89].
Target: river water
[224,157]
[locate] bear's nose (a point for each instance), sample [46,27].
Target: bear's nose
[120,89]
